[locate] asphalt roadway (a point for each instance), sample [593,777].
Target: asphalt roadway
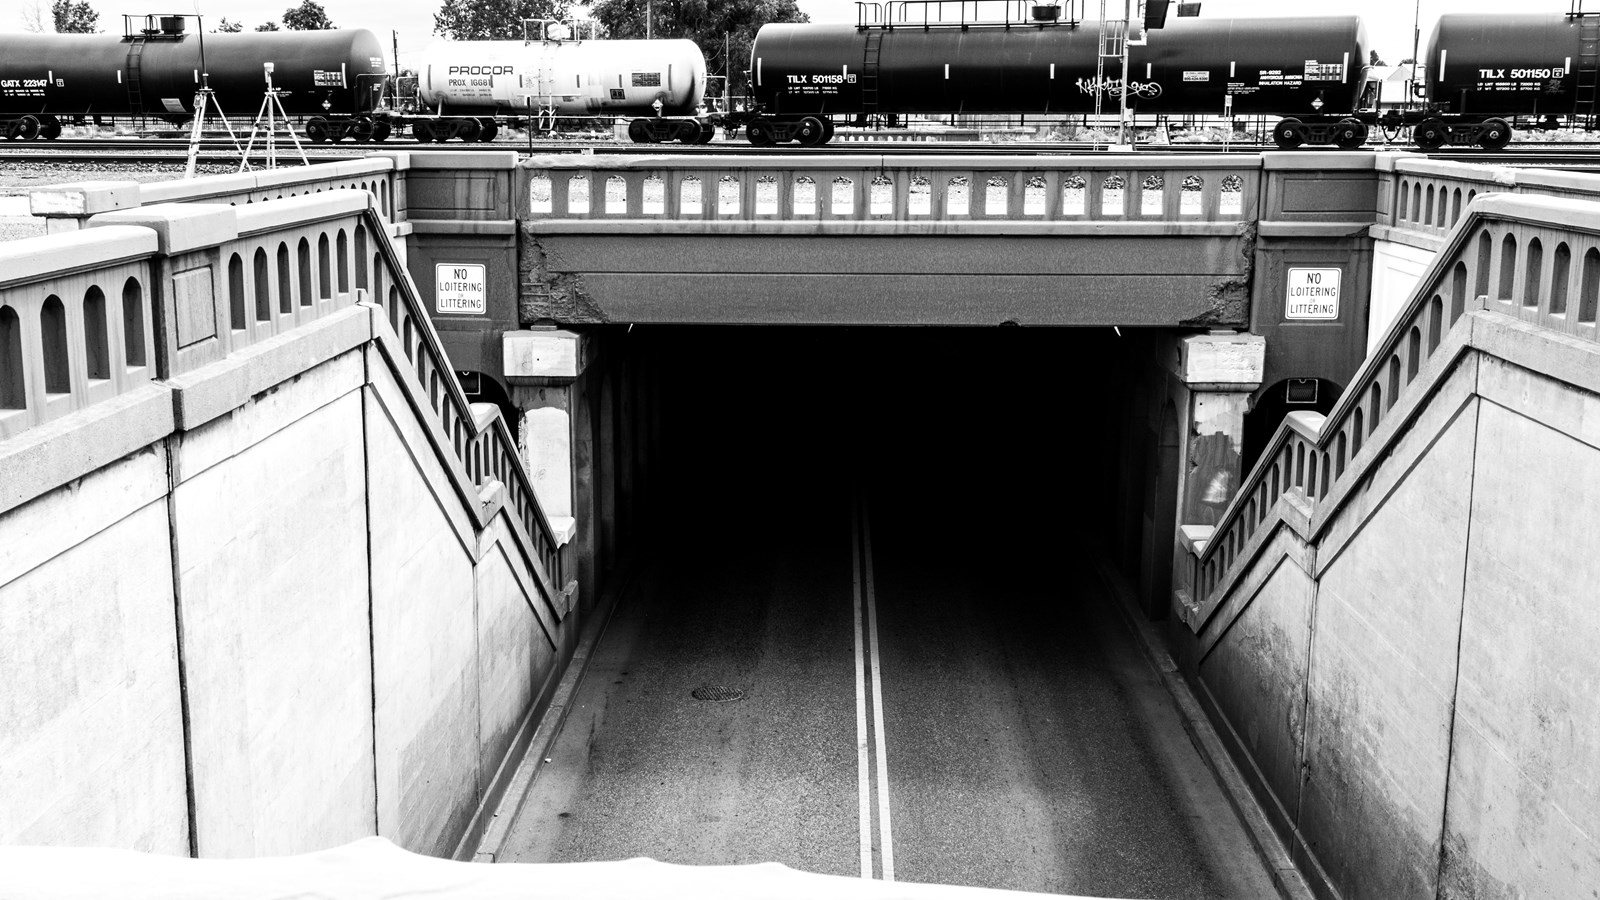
[933,689]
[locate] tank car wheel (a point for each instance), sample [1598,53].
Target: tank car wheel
[27,128]
[487,129]
[49,128]
[381,131]
[689,132]
[361,130]
[317,130]
[1496,134]
[810,133]
[760,133]
[1350,135]
[707,132]
[469,130]
[13,130]
[1430,135]
[827,130]
[422,131]
[639,132]
[1286,134]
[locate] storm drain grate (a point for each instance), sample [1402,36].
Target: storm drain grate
[716,693]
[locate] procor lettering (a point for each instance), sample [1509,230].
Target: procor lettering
[483,70]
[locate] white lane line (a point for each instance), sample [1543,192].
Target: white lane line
[885,834]
[863,763]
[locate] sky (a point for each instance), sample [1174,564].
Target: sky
[1388,22]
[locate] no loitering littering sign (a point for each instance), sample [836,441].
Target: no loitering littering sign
[459,288]
[1313,294]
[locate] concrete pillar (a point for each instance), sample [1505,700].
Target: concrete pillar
[1195,460]
[543,367]
[1218,372]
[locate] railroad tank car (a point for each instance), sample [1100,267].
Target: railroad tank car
[465,87]
[1305,67]
[47,80]
[1483,71]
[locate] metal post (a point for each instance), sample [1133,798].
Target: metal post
[1124,127]
[1416,38]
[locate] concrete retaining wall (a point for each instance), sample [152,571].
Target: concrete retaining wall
[1410,678]
[284,620]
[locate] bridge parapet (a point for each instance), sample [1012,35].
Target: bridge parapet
[1395,605]
[157,292]
[68,207]
[75,323]
[1504,254]
[1136,191]
[1420,200]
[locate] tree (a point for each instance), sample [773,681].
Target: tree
[75,17]
[268,26]
[33,16]
[492,20]
[1373,60]
[308,16]
[724,29]
[228,27]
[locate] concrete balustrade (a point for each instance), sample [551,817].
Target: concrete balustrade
[1392,620]
[79,327]
[1504,255]
[889,188]
[294,478]
[68,207]
[75,323]
[1426,198]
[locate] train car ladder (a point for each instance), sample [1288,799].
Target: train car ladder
[1113,43]
[869,72]
[135,91]
[1588,69]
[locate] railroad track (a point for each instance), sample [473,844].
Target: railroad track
[164,151]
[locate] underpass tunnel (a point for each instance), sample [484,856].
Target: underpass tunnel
[1007,435]
[972,494]
[1014,440]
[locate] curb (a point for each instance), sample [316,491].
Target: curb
[516,792]
[1291,883]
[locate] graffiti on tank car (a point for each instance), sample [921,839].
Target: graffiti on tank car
[1113,87]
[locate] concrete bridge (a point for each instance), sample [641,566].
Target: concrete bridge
[376,448]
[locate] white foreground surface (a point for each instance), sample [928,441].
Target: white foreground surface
[373,868]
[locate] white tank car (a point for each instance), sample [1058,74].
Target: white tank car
[573,77]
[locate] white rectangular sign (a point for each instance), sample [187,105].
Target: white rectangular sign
[1312,294]
[460,288]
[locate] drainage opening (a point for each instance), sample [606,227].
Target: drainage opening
[716,693]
